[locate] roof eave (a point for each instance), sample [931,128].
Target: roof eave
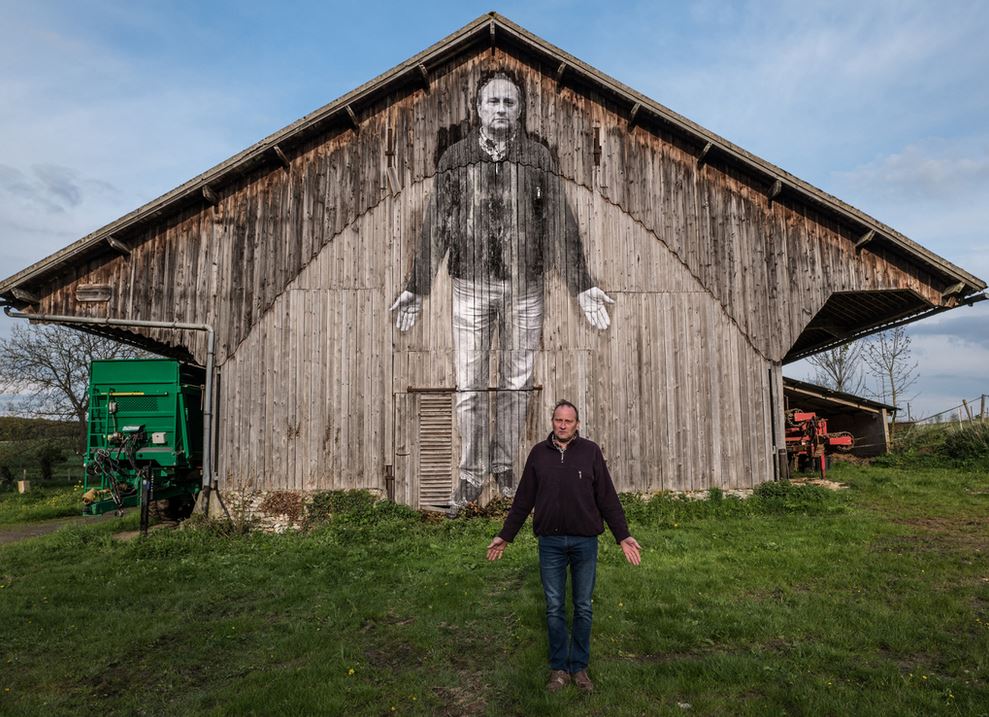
[491,27]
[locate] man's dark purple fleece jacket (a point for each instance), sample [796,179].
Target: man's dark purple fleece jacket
[571,492]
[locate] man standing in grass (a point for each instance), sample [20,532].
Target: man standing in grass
[567,482]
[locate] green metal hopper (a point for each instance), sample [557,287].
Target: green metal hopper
[145,432]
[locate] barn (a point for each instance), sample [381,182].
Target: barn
[392,292]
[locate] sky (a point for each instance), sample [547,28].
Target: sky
[107,104]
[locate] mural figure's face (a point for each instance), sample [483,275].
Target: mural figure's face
[499,106]
[565,423]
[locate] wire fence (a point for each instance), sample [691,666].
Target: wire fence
[975,409]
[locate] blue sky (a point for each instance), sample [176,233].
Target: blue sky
[105,105]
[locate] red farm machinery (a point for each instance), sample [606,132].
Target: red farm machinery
[809,445]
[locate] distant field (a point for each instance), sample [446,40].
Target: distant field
[869,601]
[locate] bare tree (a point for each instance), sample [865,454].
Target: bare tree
[889,358]
[840,368]
[47,368]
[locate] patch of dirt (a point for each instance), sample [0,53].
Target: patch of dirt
[125,535]
[464,699]
[393,656]
[829,484]
[23,531]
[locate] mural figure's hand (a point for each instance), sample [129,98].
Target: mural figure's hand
[592,303]
[408,306]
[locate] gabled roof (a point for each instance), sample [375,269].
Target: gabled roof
[487,31]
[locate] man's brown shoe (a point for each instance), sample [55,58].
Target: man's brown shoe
[583,681]
[558,679]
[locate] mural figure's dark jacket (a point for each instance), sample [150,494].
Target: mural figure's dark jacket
[570,490]
[499,220]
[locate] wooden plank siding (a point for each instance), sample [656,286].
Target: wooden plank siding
[296,269]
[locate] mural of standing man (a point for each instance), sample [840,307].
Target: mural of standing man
[499,215]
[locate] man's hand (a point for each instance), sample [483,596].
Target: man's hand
[592,303]
[408,306]
[629,547]
[496,548]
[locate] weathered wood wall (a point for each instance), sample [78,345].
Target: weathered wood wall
[296,270]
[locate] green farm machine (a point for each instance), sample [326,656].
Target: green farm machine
[145,437]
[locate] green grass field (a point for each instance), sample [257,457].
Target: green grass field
[43,501]
[799,601]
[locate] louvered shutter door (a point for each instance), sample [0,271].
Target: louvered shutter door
[435,448]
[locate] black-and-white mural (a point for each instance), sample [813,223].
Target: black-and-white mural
[499,217]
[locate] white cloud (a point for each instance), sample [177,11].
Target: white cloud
[90,134]
[930,170]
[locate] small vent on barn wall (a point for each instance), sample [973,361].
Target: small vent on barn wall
[93,293]
[435,448]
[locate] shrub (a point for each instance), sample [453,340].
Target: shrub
[785,497]
[940,443]
[967,442]
[36,458]
[356,507]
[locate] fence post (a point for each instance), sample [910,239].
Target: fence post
[982,407]
[968,410]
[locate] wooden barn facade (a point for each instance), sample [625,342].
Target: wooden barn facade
[350,266]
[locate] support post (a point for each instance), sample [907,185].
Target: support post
[952,290]
[352,116]
[26,296]
[633,116]
[118,245]
[865,239]
[560,71]
[280,155]
[702,157]
[775,190]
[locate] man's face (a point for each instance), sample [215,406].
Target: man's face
[565,423]
[499,107]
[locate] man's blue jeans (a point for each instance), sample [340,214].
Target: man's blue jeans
[569,650]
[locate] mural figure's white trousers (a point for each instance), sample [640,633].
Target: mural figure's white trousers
[517,312]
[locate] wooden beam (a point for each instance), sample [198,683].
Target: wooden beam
[25,296]
[839,332]
[209,195]
[775,190]
[633,116]
[277,151]
[597,146]
[702,157]
[491,33]
[952,290]
[560,71]
[353,118]
[423,75]
[394,185]
[118,245]
[866,238]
